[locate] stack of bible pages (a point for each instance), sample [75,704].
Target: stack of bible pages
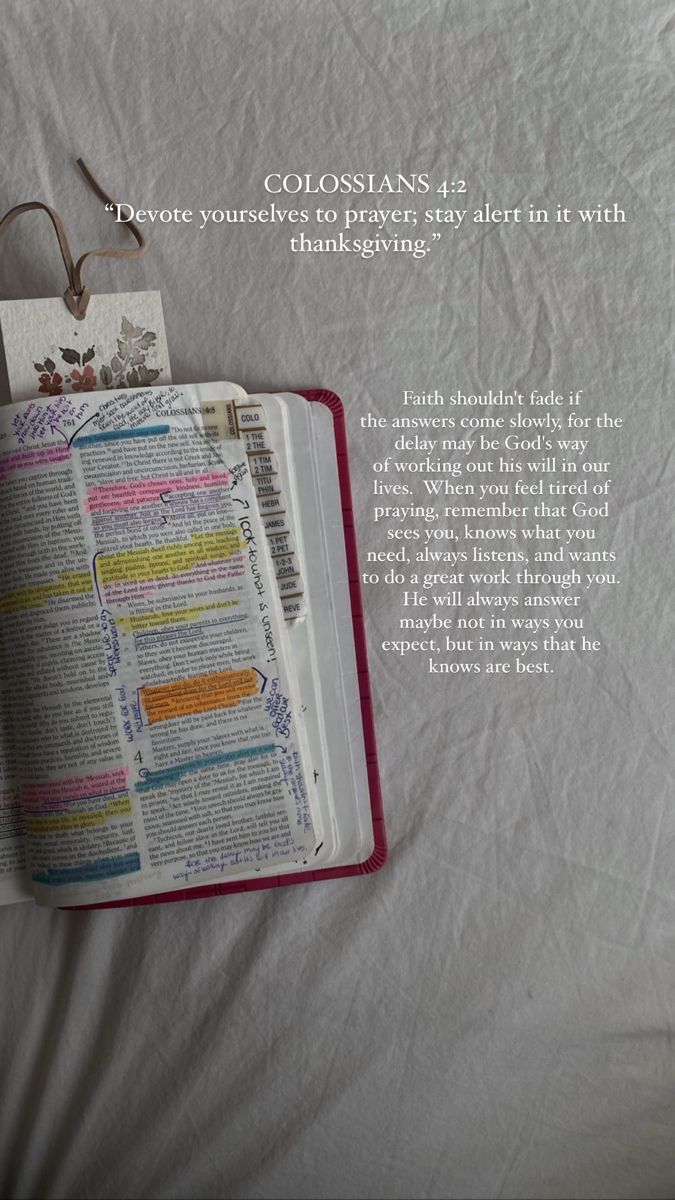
[185,700]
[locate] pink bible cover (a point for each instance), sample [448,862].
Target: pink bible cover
[379,854]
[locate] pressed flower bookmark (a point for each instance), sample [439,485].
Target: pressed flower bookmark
[81,342]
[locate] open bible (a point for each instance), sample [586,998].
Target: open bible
[184,690]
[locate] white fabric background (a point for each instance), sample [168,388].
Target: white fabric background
[492,1015]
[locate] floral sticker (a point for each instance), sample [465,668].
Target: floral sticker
[51,383]
[127,368]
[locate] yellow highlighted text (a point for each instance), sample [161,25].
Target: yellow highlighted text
[60,822]
[156,562]
[67,583]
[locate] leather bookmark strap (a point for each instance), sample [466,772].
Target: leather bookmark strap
[76,295]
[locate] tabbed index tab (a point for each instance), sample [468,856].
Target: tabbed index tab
[250,416]
[261,462]
[219,419]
